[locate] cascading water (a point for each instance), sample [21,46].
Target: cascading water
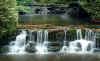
[82,45]
[31,42]
[79,34]
[18,46]
[65,47]
[44,11]
[41,44]
[90,35]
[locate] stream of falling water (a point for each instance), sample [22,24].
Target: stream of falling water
[18,46]
[65,47]
[41,44]
[84,44]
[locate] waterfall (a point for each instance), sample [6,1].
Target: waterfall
[65,47]
[79,34]
[18,46]
[31,39]
[30,36]
[90,35]
[85,42]
[31,42]
[44,11]
[82,45]
[39,37]
[42,38]
[45,35]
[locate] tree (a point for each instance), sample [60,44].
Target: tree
[8,17]
[93,7]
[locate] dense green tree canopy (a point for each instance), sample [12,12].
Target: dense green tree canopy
[8,17]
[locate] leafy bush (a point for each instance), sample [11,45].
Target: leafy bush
[8,17]
[93,7]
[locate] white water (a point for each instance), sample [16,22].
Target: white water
[18,46]
[64,48]
[83,44]
[44,11]
[42,40]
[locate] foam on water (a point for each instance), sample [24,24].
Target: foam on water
[80,45]
[18,46]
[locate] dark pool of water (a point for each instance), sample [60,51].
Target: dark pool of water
[51,57]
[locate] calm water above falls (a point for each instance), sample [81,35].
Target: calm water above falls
[50,19]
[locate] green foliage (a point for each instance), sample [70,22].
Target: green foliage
[93,7]
[8,17]
[20,5]
[55,1]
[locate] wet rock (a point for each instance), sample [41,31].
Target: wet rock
[4,49]
[30,47]
[56,35]
[54,46]
[77,12]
